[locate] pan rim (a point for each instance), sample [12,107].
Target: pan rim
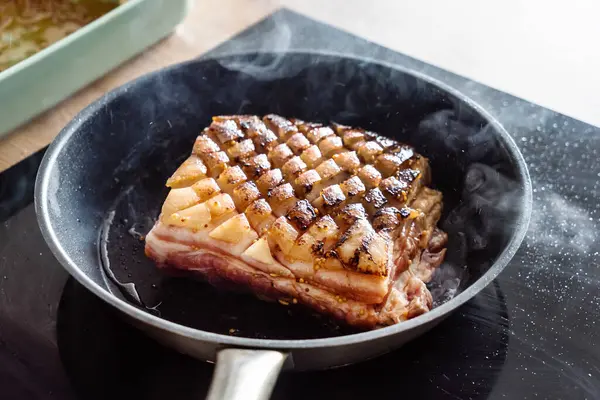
[41,204]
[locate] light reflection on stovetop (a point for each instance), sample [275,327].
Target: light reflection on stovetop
[104,357]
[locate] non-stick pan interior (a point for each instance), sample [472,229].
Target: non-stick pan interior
[108,184]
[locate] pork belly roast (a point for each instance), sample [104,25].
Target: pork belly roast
[335,218]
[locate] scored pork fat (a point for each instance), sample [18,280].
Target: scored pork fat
[336,218]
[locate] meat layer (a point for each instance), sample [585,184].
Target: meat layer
[333,217]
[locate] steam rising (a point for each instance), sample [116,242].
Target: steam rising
[489,197]
[264,68]
[483,200]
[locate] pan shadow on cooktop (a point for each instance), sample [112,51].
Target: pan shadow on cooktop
[106,358]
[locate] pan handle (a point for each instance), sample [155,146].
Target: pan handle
[244,374]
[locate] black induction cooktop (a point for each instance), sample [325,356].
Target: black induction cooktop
[530,334]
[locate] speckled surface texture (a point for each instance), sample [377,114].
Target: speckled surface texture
[532,334]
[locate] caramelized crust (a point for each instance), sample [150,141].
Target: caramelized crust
[255,166]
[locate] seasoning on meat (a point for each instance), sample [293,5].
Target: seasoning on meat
[337,218]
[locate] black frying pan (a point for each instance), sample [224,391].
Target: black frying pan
[101,185]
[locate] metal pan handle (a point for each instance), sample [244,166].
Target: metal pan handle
[243,374]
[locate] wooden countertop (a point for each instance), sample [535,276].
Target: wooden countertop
[196,35]
[524,48]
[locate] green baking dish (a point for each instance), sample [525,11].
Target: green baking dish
[44,79]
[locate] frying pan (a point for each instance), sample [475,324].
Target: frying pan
[101,184]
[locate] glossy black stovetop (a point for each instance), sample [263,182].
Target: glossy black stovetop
[530,334]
